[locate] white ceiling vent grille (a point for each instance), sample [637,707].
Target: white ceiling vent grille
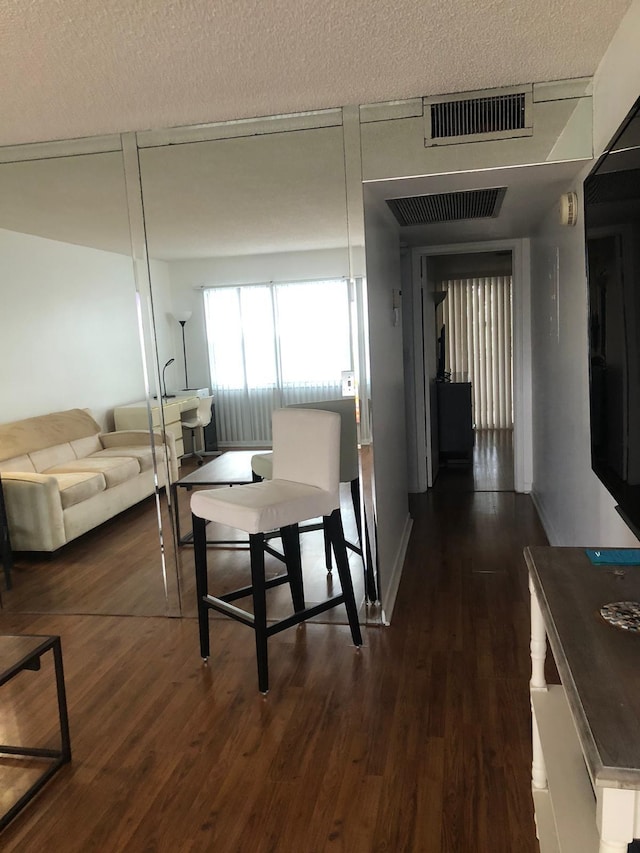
[478,116]
[447,207]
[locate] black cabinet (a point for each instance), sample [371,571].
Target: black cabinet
[455,421]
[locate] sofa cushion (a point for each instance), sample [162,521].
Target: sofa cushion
[31,434]
[86,446]
[75,488]
[58,454]
[116,469]
[142,454]
[19,464]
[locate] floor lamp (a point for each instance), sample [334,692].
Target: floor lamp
[182,317]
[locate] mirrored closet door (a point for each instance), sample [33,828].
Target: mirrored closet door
[248,238]
[81,500]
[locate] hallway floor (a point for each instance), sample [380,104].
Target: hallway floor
[491,469]
[418,743]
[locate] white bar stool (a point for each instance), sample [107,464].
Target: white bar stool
[261,468]
[305,485]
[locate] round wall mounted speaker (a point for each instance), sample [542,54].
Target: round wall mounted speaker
[568,209]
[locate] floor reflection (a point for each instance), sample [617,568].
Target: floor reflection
[491,468]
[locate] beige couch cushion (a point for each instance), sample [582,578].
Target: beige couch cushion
[75,488]
[18,463]
[86,446]
[59,454]
[142,454]
[116,469]
[20,437]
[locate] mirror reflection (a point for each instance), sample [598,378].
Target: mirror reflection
[79,491]
[248,243]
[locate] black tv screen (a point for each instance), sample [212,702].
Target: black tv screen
[612,232]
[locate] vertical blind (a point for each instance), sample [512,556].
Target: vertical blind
[477,318]
[271,345]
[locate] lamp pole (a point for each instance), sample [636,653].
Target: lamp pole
[184,354]
[182,317]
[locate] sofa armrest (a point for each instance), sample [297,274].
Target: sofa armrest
[34,511]
[135,437]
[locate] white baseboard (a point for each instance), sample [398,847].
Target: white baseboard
[544,519]
[396,574]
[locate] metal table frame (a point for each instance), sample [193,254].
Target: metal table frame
[17,655]
[200,477]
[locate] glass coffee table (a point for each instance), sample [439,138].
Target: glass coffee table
[19,654]
[232,468]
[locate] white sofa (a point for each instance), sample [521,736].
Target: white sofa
[62,476]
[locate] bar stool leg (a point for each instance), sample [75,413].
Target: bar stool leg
[202,587]
[291,547]
[256,550]
[327,549]
[333,523]
[355,498]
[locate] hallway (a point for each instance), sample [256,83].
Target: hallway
[420,743]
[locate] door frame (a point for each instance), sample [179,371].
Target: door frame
[419,437]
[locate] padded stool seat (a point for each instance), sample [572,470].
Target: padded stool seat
[304,486]
[262,463]
[276,504]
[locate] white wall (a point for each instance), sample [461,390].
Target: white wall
[387,397]
[69,330]
[168,335]
[188,277]
[575,508]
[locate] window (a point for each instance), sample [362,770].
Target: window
[477,317]
[271,345]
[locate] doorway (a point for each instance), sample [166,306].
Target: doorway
[492,280]
[474,388]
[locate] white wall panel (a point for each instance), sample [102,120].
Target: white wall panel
[387,397]
[69,332]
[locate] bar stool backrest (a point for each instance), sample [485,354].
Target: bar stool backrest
[346,408]
[306,448]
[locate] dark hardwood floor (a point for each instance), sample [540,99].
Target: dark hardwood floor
[420,741]
[491,468]
[116,569]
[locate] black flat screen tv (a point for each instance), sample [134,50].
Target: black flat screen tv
[612,234]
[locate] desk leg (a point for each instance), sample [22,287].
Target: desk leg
[616,810]
[538,682]
[613,846]
[538,643]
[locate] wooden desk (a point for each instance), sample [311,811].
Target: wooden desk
[136,415]
[586,743]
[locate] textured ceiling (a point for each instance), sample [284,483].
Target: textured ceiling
[71,68]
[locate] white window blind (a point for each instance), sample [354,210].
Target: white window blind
[477,318]
[271,345]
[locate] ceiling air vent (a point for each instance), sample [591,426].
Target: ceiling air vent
[478,116]
[447,207]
